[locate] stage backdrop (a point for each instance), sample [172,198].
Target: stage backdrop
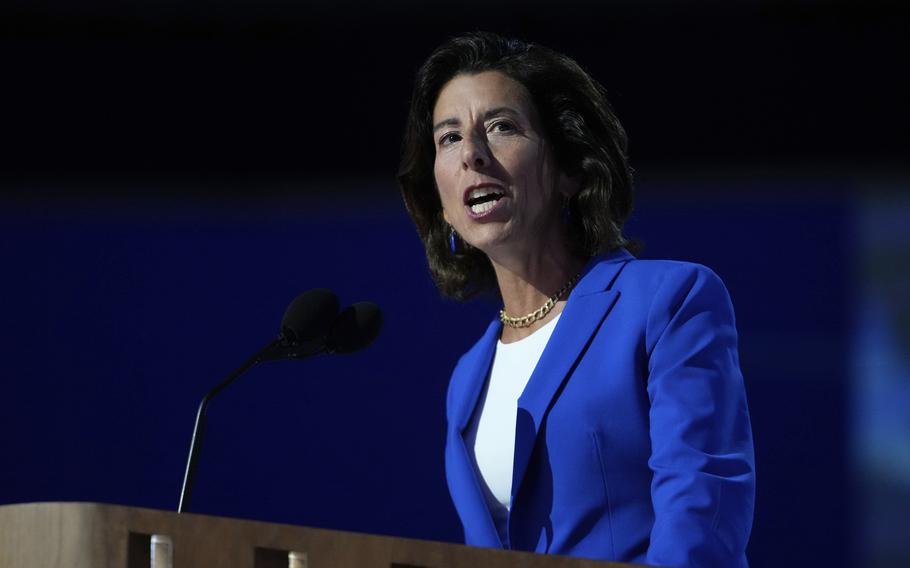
[120,313]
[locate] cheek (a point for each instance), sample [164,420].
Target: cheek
[444,184]
[521,158]
[437,174]
[441,189]
[541,170]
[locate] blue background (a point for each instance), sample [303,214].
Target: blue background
[119,318]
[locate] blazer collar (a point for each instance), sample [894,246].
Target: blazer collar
[587,306]
[600,272]
[471,373]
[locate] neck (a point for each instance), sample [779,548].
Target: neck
[527,284]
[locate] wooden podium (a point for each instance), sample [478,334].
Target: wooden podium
[92,535]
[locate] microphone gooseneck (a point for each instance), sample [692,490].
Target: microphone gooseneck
[307,319]
[311,326]
[192,461]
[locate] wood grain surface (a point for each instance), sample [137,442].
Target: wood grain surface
[92,535]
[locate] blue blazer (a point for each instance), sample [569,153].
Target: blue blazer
[633,440]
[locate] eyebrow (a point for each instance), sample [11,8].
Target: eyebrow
[486,116]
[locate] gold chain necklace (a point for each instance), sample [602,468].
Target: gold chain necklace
[539,313]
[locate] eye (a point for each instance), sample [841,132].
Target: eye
[502,126]
[449,138]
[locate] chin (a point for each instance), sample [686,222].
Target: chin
[488,236]
[495,247]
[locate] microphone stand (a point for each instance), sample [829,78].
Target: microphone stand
[280,348]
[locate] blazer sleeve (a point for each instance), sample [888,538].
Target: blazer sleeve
[703,487]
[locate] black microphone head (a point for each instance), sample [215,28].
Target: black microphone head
[309,316]
[355,328]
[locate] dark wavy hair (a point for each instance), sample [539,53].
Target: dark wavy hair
[587,140]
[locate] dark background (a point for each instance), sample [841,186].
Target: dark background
[246,92]
[174,175]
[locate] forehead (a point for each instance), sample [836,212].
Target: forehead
[476,92]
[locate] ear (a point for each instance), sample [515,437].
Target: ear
[445,216]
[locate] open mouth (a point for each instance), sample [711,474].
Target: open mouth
[483,199]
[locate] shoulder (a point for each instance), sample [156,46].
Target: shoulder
[670,283]
[662,292]
[668,273]
[621,271]
[685,299]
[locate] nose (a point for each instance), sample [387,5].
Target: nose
[475,153]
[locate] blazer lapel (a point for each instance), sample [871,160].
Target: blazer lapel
[466,385]
[587,306]
[470,375]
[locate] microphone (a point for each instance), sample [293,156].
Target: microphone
[304,326]
[354,328]
[309,315]
[306,322]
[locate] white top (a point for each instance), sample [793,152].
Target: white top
[490,437]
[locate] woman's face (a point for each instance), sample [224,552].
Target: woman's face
[495,174]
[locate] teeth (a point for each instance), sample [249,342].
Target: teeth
[482,207]
[481,192]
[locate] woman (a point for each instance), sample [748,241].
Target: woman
[602,414]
